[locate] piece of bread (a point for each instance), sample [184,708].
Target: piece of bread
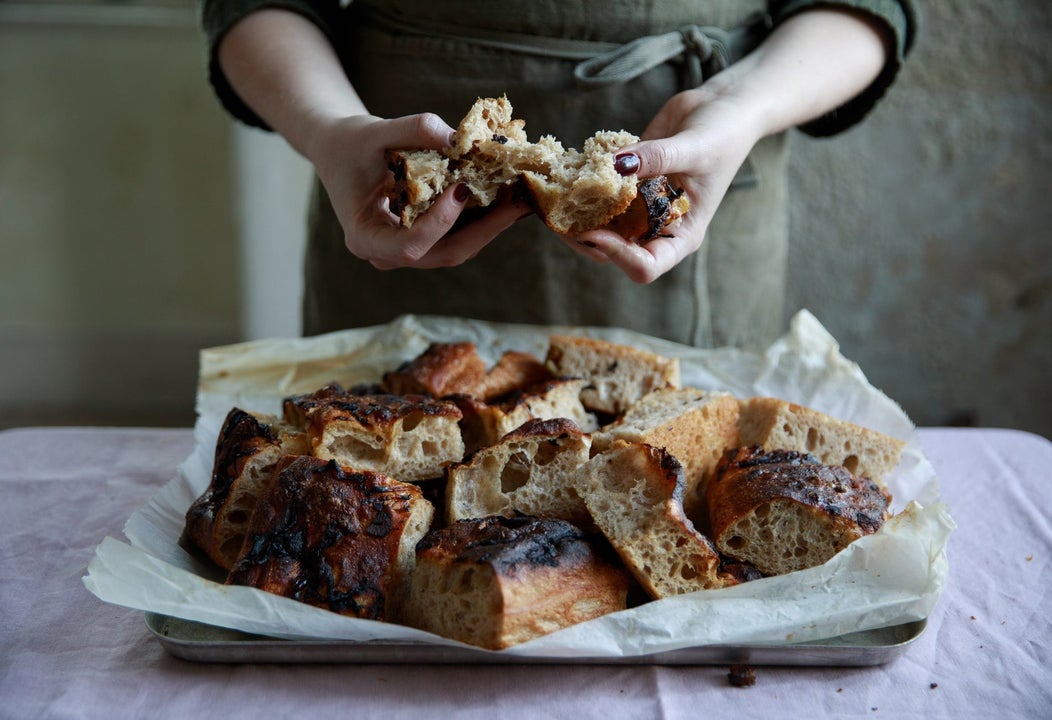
[617,375]
[441,369]
[694,425]
[776,424]
[515,371]
[572,191]
[248,449]
[406,437]
[634,493]
[782,510]
[528,472]
[484,424]
[496,582]
[334,538]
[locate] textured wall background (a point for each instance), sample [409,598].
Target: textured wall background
[923,238]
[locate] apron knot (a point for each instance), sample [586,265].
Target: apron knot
[704,51]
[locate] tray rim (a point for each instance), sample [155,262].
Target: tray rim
[224,645]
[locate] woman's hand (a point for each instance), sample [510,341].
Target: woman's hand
[348,155]
[284,68]
[810,64]
[698,140]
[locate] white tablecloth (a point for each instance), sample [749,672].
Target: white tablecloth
[986,653]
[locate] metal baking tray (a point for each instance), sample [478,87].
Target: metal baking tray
[198,642]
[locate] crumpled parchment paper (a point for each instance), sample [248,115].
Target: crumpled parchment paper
[891,577]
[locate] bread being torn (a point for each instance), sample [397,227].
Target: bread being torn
[571,190]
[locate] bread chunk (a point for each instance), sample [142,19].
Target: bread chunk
[776,424]
[528,472]
[496,582]
[634,493]
[248,449]
[409,438]
[783,510]
[484,424]
[693,425]
[572,190]
[442,369]
[515,371]
[334,538]
[617,376]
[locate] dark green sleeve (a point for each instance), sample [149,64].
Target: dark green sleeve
[899,17]
[218,16]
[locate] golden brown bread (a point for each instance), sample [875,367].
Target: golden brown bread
[634,493]
[527,472]
[484,424]
[572,191]
[694,426]
[777,424]
[248,449]
[496,582]
[442,369]
[334,538]
[617,375]
[783,510]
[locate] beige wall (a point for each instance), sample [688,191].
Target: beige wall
[921,239]
[116,231]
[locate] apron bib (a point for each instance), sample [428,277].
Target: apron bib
[409,56]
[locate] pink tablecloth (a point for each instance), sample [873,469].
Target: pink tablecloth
[987,650]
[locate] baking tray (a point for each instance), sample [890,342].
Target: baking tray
[198,642]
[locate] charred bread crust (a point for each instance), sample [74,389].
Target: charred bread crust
[247,450]
[783,510]
[334,538]
[408,437]
[500,581]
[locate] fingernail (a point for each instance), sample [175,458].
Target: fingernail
[587,243]
[461,193]
[626,164]
[452,138]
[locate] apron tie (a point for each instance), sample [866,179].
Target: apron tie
[704,50]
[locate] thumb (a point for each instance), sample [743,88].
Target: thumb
[652,157]
[425,130]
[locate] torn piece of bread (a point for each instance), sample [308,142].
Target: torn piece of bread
[695,426]
[406,437]
[334,538]
[783,510]
[496,582]
[248,449]
[572,190]
[528,472]
[776,424]
[634,493]
[617,376]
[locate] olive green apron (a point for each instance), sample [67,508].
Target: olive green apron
[447,54]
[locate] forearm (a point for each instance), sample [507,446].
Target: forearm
[809,65]
[284,68]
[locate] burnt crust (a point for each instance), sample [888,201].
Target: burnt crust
[751,476]
[510,545]
[327,536]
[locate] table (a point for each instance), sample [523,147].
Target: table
[986,652]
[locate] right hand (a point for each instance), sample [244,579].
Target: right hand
[348,155]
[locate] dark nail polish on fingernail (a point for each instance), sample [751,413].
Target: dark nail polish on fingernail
[626,164]
[587,243]
[461,193]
